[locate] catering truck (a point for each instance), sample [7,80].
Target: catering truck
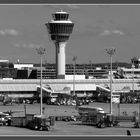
[97,117]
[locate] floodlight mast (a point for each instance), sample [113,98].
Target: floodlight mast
[74,67]
[41,51]
[110,52]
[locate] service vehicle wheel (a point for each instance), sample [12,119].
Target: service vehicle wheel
[103,125]
[98,125]
[47,129]
[35,127]
[136,125]
[115,123]
[41,128]
[6,123]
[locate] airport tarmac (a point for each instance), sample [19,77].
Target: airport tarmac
[69,128]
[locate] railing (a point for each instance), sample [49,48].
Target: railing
[63,81]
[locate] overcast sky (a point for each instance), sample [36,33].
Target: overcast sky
[22,29]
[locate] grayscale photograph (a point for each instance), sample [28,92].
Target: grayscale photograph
[69,70]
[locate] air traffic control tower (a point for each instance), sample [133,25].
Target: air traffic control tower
[59,30]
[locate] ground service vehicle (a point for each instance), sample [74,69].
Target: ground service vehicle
[97,117]
[5,118]
[40,123]
[89,110]
[102,120]
[34,122]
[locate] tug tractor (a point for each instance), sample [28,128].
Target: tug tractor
[97,120]
[106,120]
[101,124]
[40,123]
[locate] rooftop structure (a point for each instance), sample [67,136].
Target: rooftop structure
[23,66]
[5,61]
[129,73]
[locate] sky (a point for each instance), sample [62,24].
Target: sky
[96,28]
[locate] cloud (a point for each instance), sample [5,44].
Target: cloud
[11,32]
[29,46]
[118,32]
[106,32]
[109,32]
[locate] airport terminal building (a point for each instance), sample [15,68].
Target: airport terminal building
[25,81]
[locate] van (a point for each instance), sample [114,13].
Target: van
[89,110]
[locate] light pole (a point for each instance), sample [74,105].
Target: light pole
[133,67]
[90,62]
[41,51]
[74,65]
[90,68]
[110,52]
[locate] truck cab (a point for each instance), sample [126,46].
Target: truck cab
[39,122]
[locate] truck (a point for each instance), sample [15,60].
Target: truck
[34,122]
[100,119]
[40,123]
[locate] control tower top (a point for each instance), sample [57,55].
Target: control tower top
[60,27]
[60,15]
